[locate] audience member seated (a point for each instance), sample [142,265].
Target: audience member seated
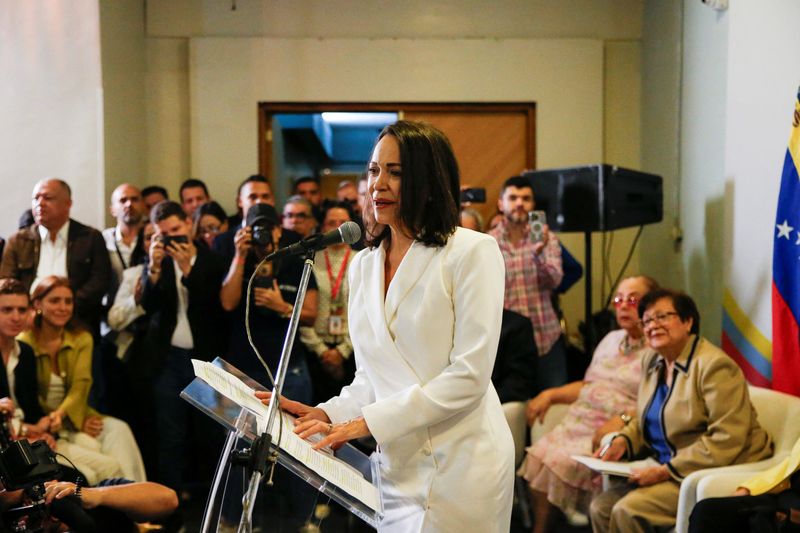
[153,194]
[309,188]
[599,404]
[18,377]
[41,250]
[331,361]
[767,502]
[181,297]
[209,221]
[693,412]
[100,446]
[298,216]
[193,193]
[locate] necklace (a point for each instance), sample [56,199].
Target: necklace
[626,346]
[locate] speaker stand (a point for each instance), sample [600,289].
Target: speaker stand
[588,338]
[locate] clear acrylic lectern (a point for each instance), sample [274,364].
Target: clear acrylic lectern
[348,476]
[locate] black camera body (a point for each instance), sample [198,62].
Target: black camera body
[23,465]
[262,234]
[177,239]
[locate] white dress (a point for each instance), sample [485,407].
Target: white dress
[424,358]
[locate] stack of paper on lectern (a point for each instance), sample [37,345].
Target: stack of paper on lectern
[324,464]
[614,468]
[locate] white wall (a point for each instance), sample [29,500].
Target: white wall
[763,75]
[51,122]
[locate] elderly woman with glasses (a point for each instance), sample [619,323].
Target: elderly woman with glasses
[599,404]
[693,412]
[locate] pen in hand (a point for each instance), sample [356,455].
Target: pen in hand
[604,449]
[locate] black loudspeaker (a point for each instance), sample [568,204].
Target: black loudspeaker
[597,197]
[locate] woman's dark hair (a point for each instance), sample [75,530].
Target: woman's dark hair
[682,302]
[429,188]
[211,208]
[45,287]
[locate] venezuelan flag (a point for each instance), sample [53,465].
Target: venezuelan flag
[786,270]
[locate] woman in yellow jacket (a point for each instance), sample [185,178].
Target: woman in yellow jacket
[759,504]
[101,447]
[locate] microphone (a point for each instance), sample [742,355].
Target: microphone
[348,233]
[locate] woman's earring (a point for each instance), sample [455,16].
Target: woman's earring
[38,312]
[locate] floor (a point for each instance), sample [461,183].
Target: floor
[268,518]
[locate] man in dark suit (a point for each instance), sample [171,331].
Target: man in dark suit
[58,245]
[181,295]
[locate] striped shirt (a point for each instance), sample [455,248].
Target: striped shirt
[530,280]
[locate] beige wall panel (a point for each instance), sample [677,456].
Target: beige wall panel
[489,147]
[599,19]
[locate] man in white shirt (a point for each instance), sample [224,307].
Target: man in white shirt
[59,245]
[124,243]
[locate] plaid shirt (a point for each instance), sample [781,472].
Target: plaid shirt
[530,280]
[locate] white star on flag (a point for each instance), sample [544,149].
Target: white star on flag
[798,238]
[784,230]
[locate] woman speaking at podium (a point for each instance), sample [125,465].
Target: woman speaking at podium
[426,301]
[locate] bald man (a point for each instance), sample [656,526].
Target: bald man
[57,245]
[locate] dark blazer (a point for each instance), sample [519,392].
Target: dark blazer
[204,311]
[88,266]
[514,372]
[25,384]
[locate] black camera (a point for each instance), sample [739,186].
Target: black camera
[262,234]
[177,239]
[26,466]
[473,195]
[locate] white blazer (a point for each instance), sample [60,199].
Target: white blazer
[424,358]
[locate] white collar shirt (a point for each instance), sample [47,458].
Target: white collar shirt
[52,254]
[182,336]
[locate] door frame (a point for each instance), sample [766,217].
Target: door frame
[266,111]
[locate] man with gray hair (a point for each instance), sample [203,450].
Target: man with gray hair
[58,245]
[298,216]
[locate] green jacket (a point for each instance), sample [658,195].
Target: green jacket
[75,363]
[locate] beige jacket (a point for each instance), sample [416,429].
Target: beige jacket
[707,416]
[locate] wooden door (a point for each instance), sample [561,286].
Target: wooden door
[489,146]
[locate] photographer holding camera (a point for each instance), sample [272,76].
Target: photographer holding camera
[271,304]
[181,295]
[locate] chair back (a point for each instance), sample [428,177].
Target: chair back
[779,414]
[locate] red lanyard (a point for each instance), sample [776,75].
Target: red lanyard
[335,288]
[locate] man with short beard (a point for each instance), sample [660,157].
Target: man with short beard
[533,271]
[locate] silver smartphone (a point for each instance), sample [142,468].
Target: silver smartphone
[536,222]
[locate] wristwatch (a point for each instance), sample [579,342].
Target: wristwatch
[626,418]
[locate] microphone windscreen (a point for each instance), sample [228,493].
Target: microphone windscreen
[350,232]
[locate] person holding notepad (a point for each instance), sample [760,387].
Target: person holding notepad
[693,412]
[425,309]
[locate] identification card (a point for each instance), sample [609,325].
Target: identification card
[336,325]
